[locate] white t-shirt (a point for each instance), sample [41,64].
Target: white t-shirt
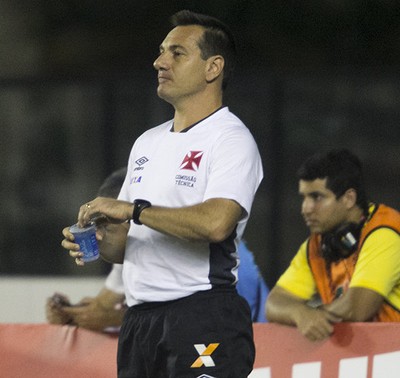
[215,158]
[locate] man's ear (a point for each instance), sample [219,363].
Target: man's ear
[214,68]
[350,198]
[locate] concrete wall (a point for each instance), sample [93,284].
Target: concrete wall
[23,298]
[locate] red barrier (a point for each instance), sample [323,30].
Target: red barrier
[51,351]
[356,350]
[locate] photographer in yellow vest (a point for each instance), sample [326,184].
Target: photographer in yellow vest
[351,260]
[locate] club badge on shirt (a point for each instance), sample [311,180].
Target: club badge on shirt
[192,160]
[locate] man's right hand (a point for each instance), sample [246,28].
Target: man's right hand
[73,248]
[316,324]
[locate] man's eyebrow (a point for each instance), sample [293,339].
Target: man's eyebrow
[310,194]
[172,47]
[315,193]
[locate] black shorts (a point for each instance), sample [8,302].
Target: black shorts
[207,334]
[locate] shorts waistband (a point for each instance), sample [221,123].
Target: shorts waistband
[152,305]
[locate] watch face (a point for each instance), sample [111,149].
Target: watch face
[139,206]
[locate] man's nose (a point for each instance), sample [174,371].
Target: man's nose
[160,62]
[306,206]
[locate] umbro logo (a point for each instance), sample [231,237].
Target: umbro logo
[205,376]
[141,161]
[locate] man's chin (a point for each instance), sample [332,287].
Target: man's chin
[164,96]
[315,230]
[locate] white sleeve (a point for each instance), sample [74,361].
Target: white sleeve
[236,169]
[124,192]
[114,280]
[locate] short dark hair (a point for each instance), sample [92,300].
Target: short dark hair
[341,168]
[217,39]
[111,186]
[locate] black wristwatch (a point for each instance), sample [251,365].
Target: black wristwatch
[138,206]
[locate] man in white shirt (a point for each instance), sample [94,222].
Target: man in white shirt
[179,218]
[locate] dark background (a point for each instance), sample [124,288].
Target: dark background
[77,87]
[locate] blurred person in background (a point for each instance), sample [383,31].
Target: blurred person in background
[180,216]
[105,311]
[350,260]
[251,284]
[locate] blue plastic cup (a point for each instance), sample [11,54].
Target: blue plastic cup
[86,238]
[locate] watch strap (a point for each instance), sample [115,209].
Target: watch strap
[138,206]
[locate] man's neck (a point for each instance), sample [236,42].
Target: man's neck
[357,215]
[190,112]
